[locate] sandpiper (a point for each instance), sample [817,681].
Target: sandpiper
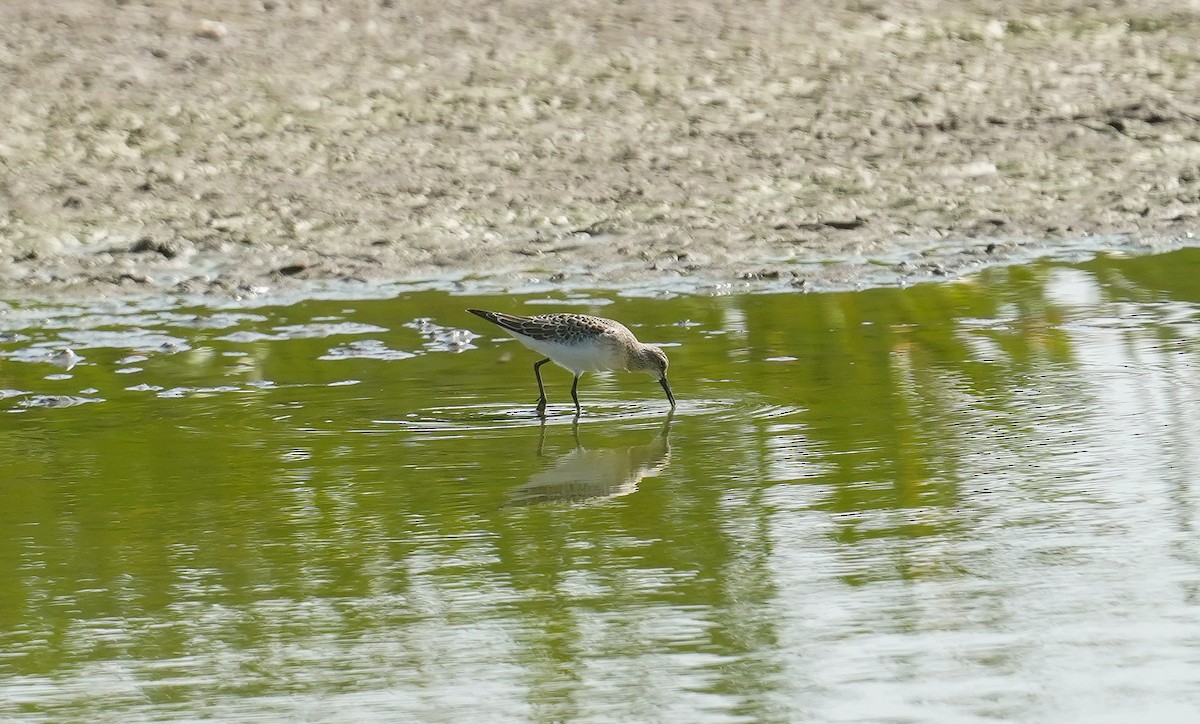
[581,343]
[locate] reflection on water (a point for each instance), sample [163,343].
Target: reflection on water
[594,474]
[960,501]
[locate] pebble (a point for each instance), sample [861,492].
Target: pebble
[211,30]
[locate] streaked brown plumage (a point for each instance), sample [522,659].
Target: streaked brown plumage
[582,343]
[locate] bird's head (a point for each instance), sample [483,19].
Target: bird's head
[652,361]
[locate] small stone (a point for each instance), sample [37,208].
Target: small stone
[149,243]
[211,30]
[844,224]
[64,358]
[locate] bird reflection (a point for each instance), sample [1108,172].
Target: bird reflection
[594,474]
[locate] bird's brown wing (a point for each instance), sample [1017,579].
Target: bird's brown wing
[545,327]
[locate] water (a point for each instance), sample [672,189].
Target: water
[955,502]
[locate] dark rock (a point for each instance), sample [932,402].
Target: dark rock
[150,244]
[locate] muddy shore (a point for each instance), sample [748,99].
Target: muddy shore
[237,148]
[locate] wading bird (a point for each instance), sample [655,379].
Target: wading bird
[581,343]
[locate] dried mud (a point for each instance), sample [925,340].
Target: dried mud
[237,148]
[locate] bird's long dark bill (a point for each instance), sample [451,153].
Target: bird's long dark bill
[667,389]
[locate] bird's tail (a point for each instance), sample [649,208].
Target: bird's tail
[500,319]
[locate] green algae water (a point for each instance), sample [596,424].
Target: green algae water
[954,502]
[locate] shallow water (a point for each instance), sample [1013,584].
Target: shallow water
[971,500]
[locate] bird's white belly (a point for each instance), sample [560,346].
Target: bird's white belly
[587,357]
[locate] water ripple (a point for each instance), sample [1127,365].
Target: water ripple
[481,417]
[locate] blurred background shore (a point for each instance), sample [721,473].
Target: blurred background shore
[229,146]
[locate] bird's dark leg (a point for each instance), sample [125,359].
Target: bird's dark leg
[575,395]
[541,406]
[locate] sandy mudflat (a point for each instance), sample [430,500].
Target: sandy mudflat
[237,147]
